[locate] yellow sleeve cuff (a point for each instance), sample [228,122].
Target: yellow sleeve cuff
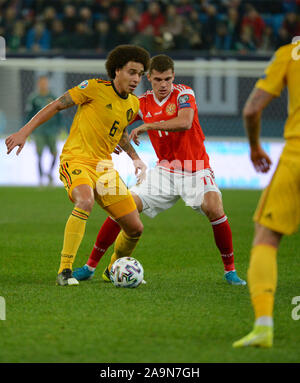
[262,84]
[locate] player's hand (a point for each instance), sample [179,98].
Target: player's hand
[261,161]
[136,132]
[16,139]
[140,170]
[118,149]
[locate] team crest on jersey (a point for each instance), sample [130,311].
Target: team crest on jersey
[76,172]
[171,109]
[129,114]
[83,84]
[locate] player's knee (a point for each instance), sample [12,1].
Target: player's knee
[135,230]
[266,236]
[86,204]
[214,213]
[213,208]
[83,196]
[138,229]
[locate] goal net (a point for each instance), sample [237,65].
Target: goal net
[221,88]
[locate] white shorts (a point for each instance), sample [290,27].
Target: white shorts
[162,189]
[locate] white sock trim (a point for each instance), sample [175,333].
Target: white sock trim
[264,321]
[221,220]
[225,272]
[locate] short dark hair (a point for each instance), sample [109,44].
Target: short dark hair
[122,54]
[161,63]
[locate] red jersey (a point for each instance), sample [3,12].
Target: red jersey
[175,150]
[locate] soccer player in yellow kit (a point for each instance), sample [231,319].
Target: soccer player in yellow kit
[278,211]
[105,108]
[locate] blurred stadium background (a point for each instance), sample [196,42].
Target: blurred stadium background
[220,48]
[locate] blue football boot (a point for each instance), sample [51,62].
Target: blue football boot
[232,278]
[83,273]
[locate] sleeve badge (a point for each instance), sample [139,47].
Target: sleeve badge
[183,99]
[83,84]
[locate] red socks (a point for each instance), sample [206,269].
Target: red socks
[223,239]
[105,238]
[110,230]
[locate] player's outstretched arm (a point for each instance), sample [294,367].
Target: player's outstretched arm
[252,111]
[19,138]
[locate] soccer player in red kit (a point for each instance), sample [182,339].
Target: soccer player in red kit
[170,117]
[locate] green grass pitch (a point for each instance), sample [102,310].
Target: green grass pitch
[185,312]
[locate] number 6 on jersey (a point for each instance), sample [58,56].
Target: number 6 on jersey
[114,128]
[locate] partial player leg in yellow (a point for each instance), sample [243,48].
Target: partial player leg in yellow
[128,238]
[74,232]
[262,278]
[124,247]
[277,214]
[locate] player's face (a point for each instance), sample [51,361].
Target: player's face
[128,77]
[43,85]
[161,83]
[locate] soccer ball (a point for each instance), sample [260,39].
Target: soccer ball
[127,272]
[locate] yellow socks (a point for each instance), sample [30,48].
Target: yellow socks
[124,247]
[262,278]
[74,232]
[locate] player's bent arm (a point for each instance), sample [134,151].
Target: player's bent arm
[183,121]
[19,138]
[127,147]
[140,167]
[252,111]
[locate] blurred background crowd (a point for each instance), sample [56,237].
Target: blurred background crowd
[97,26]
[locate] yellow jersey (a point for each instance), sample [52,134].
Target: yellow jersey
[284,70]
[99,123]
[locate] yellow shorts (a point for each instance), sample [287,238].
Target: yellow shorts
[279,205]
[110,191]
